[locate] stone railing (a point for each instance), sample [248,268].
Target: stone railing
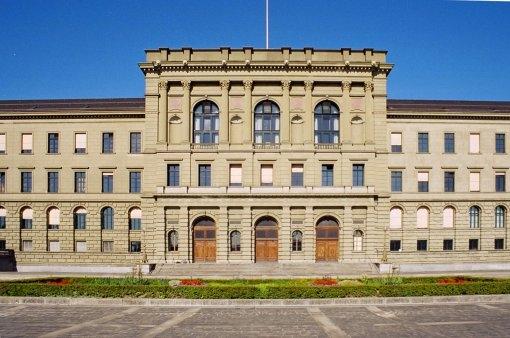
[270,146]
[327,145]
[204,146]
[265,190]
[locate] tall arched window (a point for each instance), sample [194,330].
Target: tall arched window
[267,122]
[358,241]
[500,220]
[297,240]
[395,218]
[474,217]
[135,219]
[448,217]
[326,122]
[235,241]
[80,218]
[53,218]
[3,215]
[26,218]
[173,241]
[422,217]
[107,218]
[206,122]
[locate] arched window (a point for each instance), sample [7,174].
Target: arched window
[422,218]
[326,122]
[297,240]
[26,218]
[395,218]
[500,213]
[358,241]
[107,218]
[80,218]
[448,217]
[173,241]
[474,217]
[3,215]
[235,241]
[267,122]
[53,218]
[206,122]
[135,219]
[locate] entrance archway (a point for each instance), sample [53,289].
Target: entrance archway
[204,240]
[266,240]
[326,243]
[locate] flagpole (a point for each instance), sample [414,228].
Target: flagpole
[267,24]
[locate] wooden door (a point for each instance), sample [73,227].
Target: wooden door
[326,244]
[204,244]
[266,243]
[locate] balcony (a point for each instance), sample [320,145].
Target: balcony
[264,190]
[266,146]
[204,146]
[327,146]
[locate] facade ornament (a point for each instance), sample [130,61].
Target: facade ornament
[369,86]
[309,84]
[346,86]
[225,84]
[163,85]
[286,84]
[248,84]
[186,84]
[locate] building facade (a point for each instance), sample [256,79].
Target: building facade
[248,155]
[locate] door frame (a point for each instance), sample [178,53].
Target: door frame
[334,224]
[275,227]
[205,228]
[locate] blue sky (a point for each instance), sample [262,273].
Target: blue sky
[90,49]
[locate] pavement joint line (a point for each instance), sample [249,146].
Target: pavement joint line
[67,330]
[379,312]
[449,323]
[171,322]
[326,324]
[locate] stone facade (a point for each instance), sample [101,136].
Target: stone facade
[237,82]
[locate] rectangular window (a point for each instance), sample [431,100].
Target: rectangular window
[423,181]
[53,143]
[3,144]
[135,246]
[500,144]
[80,143]
[135,181]
[449,181]
[204,175]
[54,246]
[358,175]
[2,182]
[473,244]
[423,142]
[107,143]
[474,181]
[236,175]
[474,143]
[327,175]
[107,185]
[3,215]
[26,143]
[3,245]
[26,245]
[421,245]
[396,181]
[53,181]
[107,246]
[81,246]
[26,181]
[266,175]
[135,142]
[499,243]
[449,143]
[395,245]
[500,182]
[396,142]
[447,244]
[80,182]
[172,175]
[297,172]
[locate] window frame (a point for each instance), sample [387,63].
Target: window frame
[269,135]
[107,187]
[235,241]
[51,150]
[138,144]
[475,215]
[332,117]
[80,182]
[53,182]
[449,148]
[25,187]
[396,180]
[358,173]
[449,181]
[327,175]
[498,147]
[107,144]
[107,215]
[200,134]
[173,176]
[297,241]
[423,142]
[135,183]
[497,185]
[205,175]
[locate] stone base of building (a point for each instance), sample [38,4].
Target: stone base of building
[86,269]
[453,267]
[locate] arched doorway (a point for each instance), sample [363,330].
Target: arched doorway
[204,240]
[326,248]
[266,240]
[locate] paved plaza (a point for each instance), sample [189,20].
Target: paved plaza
[430,320]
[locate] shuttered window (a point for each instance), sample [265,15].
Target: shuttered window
[422,218]
[3,146]
[135,219]
[474,143]
[297,175]
[236,175]
[266,174]
[448,217]
[395,218]
[396,142]
[26,146]
[423,181]
[80,143]
[53,218]
[474,181]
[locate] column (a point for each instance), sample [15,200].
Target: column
[163,112]
[222,229]
[248,113]
[369,112]
[224,123]
[285,113]
[285,242]
[186,114]
[246,235]
[345,113]
[308,123]
[309,235]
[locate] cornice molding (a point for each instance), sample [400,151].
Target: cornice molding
[71,116]
[444,117]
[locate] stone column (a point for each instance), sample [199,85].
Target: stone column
[222,236]
[224,123]
[186,114]
[309,235]
[248,114]
[246,235]
[369,112]
[285,242]
[285,113]
[163,112]
[345,113]
[308,123]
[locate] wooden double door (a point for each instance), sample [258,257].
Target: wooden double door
[326,245]
[266,241]
[204,242]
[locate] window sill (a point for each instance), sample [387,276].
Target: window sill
[474,153]
[500,154]
[75,153]
[108,153]
[26,153]
[444,153]
[53,154]
[424,153]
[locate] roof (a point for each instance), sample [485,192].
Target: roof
[438,106]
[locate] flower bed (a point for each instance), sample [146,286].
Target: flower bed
[191,282]
[325,282]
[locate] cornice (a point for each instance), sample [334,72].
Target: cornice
[68,116]
[445,117]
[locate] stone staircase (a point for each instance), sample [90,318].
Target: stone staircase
[263,270]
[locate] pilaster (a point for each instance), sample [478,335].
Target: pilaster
[285,236]
[224,116]
[369,112]
[308,123]
[285,113]
[345,112]
[163,112]
[309,234]
[222,233]
[248,114]
[186,114]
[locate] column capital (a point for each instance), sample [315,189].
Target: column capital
[163,85]
[346,86]
[286,84]
[308,84]
[186,84]
[369,86]
[224,84]
[248,84]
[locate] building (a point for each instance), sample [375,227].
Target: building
[250,155]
